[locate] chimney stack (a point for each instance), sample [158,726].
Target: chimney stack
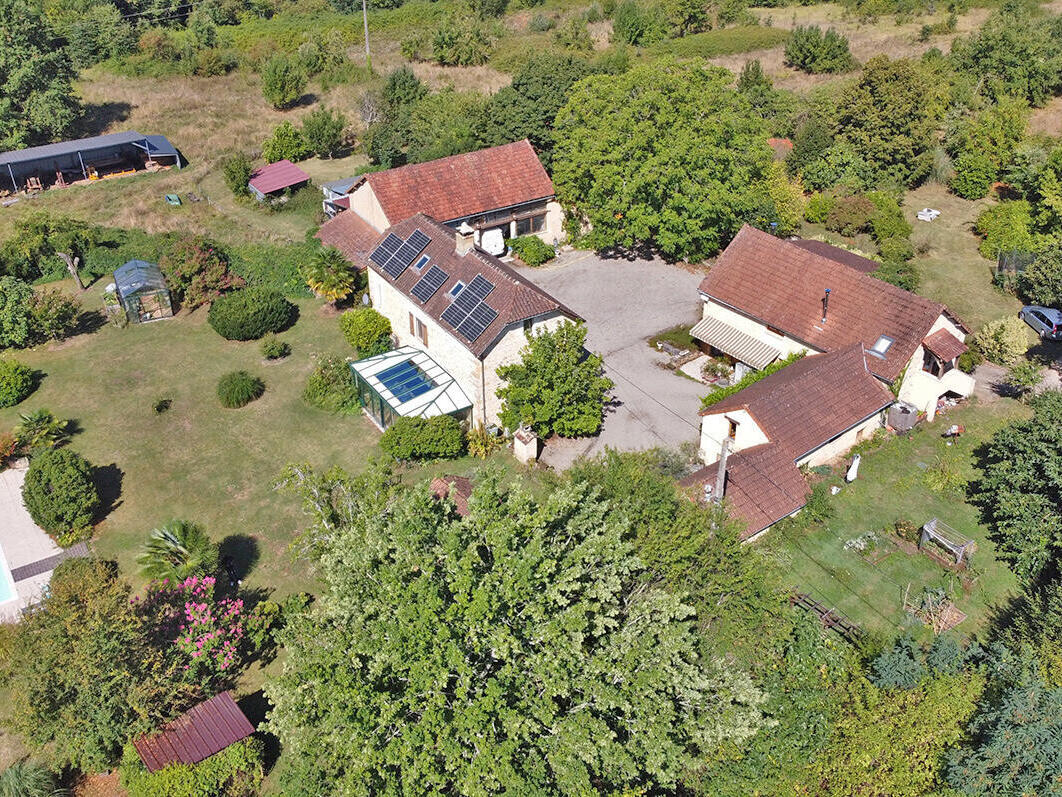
[720,474]
[825,305]
[465,240]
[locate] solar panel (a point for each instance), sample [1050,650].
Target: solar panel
[429,284]
[409,249]
[454,315]
[480,287]
[405,381]
[385,251]
[477,322]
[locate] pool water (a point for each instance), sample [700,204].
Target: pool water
[7,584]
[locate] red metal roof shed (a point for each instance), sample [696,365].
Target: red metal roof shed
[203,730]
[276,177]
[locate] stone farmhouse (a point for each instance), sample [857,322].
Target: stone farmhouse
[501,192]
[456,313]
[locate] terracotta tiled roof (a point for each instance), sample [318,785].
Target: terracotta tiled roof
[514,298]
[858,262]
[203,730]
[463,185]
[277,176]
[351,235]
[811,401]
[945,345]
[456,488]
[782,284]
[800,408]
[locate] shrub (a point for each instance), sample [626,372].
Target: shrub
[461,42]
[480,442]
[974,173]
[237,173]
[1006,227]
[1002,341]
[16,382]
[366,330]
[60,494]
[901,274]
[850,215]
[53,315]
[286,142]
[282,81]
[817,208]
[238,388]
[16,325]
[811,50]
[1023,377]
[236,770]
[1041,282]
[896,250]
[540,23]
[969,360]
[329,274]
[331,386]
[532,250]
[440,437]
[635,24]
[887,221]
[573,35]
[249,313]
[40,430]
[197,271]
[273,348]
[324,131]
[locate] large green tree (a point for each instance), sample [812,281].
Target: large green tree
[557,387]
[889,116]
[665,155]
[1020,490]
[37,101]
[515,650]
[43,244]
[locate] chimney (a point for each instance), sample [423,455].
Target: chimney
[825,305]
[465,239]
[720,476]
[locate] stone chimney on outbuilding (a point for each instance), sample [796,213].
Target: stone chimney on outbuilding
[465,239]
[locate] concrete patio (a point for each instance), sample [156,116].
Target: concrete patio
[625,302]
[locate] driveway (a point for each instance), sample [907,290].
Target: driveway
[624,302]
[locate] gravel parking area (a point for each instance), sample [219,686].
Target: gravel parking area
[625,302]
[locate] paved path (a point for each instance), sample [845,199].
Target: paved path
[624,302]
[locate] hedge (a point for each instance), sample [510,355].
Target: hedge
[440,437]
[750,378]
[532,250]
[234,772]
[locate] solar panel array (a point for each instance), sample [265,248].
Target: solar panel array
[429,284]
[470,315]
[405,381]
[394,255]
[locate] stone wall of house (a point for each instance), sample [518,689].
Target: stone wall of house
[716,428]
[785,344]
[920,388]
[840,445]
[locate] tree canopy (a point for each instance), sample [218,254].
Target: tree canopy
[665,155]
[37,101]
[513,650]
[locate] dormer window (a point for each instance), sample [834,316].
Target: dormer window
[881,346]
[458,287]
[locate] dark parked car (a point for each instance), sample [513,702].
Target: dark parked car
[1045,320]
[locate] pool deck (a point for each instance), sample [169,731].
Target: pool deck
[30,553]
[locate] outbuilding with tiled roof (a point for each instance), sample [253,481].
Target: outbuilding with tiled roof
[205,729]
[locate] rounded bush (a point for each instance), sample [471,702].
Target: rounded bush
[532,250]
[239,388]
[250,313]
[59,492]
[331,387]
[16,382]
[974,173]
[366,330]
[273,348]
[896,250]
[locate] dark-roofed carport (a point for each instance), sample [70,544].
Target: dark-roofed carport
[202,731]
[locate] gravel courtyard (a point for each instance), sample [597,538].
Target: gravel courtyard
[624,302]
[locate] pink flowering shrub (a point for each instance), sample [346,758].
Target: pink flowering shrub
[207,632]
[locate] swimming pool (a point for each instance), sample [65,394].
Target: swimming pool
[7,584]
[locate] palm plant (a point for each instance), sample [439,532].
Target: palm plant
[329,274]
[27,778]
[41,429]
[177,550]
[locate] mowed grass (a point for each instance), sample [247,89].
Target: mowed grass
[892,486]
[199,461]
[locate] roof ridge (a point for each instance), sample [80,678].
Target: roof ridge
[446,160]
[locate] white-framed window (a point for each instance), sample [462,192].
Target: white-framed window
[882,345]
[458,287]
[421,262]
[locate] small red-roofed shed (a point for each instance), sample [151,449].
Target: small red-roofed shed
[276,177]
[202,731]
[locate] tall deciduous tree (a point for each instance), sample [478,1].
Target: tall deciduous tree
[509,651]
[557,387]
[44,243]
[37,101]
[664,155]
[889,116]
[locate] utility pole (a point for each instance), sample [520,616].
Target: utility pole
[365,19]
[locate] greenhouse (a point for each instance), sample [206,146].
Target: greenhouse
[141,292]
[407,383]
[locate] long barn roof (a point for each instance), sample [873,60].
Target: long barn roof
[155,144]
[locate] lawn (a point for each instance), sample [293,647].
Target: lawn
[197,460]
[892,486]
